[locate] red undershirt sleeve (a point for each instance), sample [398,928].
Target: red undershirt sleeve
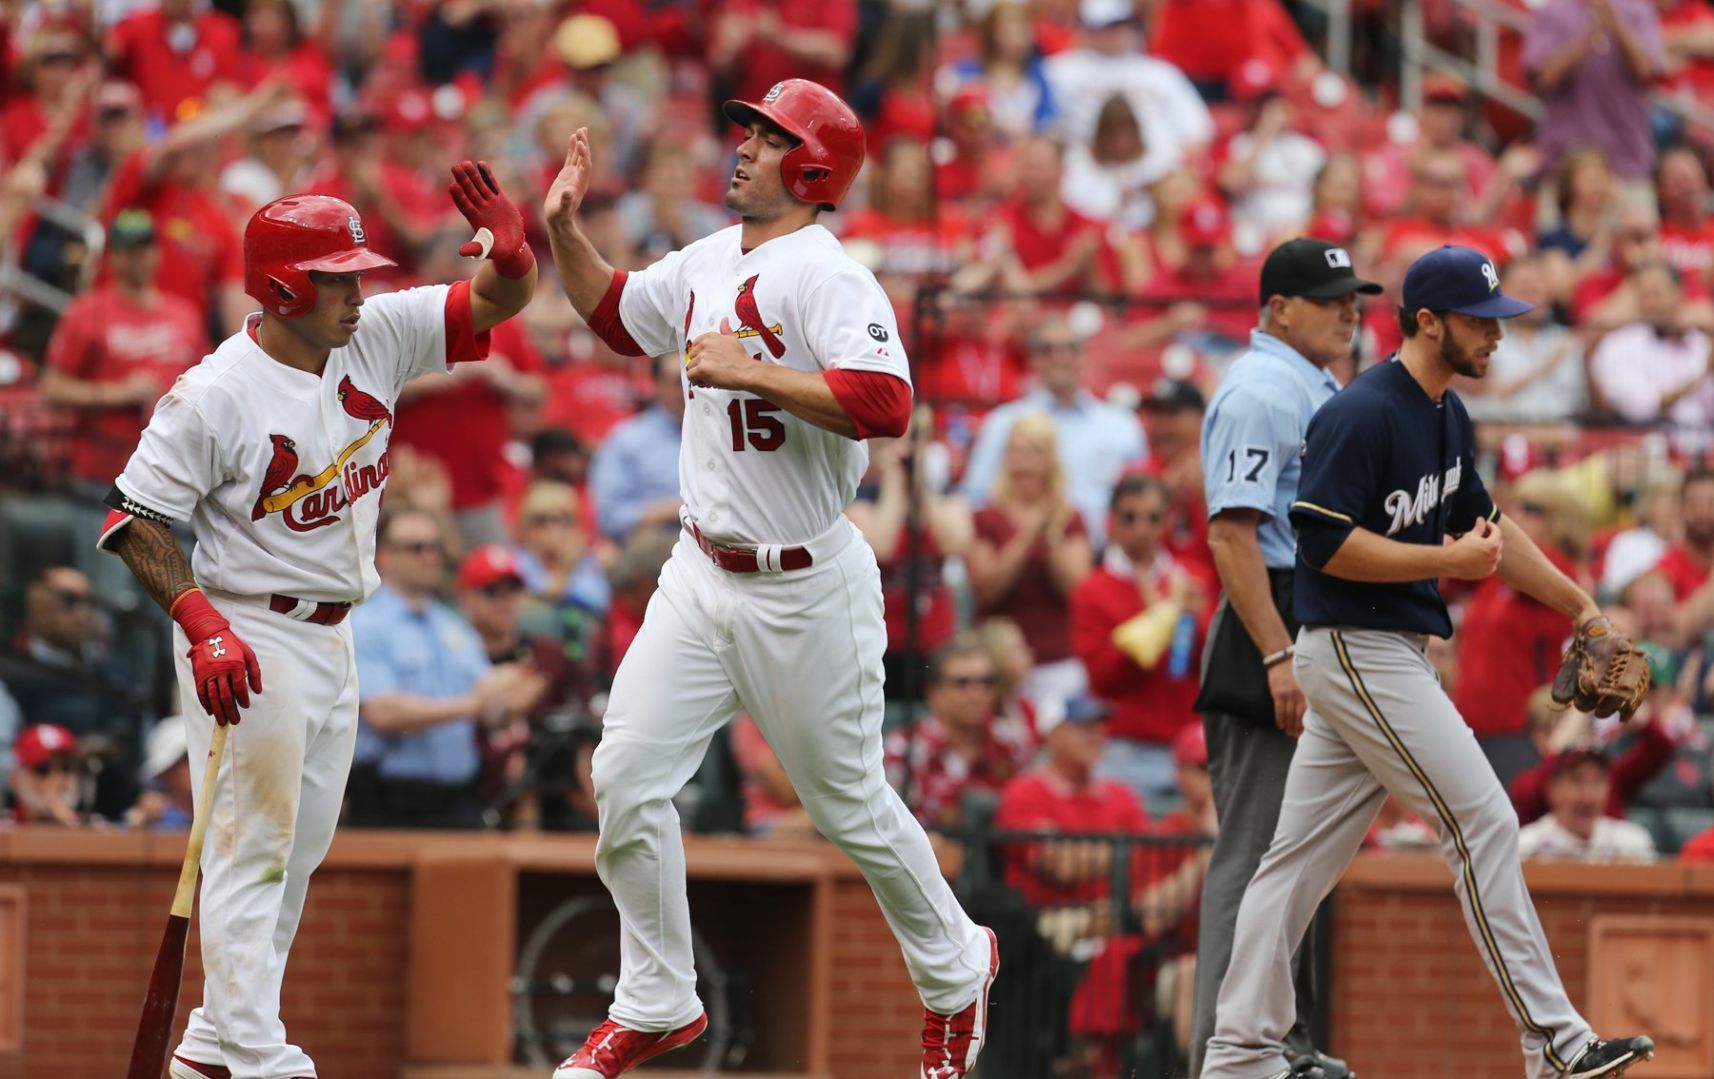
[463,343]
[607,324]
[877,402]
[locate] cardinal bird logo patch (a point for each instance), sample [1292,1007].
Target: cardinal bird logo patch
[306,501]
[750,320]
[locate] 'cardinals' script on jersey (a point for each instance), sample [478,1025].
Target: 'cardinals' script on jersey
[749,471]
[280,471]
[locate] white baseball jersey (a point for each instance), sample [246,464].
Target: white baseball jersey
[749,471]
[280,472]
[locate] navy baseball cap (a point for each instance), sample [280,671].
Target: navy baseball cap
[1459,279]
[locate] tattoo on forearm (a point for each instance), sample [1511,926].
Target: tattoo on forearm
[155,559]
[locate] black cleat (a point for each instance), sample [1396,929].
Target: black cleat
[1316,1065]
[1609,1058]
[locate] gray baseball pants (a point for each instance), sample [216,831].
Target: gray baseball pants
[1379,723]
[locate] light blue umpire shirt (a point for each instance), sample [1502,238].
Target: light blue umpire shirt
[1097,442]
[1252,438]
[432,653]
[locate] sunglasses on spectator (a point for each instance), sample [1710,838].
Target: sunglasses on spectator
[51,766]
[1053,346]
[72,598]
[1131,517]
[965,681]
[418,547]
[1532,507]
[567,519]
[502,589]
[60,57]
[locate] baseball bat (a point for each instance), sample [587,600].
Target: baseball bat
[149,1051]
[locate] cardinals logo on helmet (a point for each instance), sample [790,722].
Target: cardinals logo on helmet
[307,501]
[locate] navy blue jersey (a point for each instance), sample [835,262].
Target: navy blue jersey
[1382,455]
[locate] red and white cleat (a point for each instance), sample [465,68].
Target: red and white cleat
[180,1068]
[950,1043]
[613,1050]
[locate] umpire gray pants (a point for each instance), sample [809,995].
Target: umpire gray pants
[1247,765]
[1378,722]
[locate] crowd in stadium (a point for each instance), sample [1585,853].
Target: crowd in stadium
[1068,203]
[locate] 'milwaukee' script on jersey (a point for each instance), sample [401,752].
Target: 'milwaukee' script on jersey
[1407,511]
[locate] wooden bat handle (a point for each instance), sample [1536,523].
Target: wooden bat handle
[186,895]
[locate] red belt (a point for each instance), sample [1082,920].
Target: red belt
[322,614]
[744,560]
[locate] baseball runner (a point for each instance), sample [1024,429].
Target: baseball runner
[1389,479]
[771,602]
[274,448]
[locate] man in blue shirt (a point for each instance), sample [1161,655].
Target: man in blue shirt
[633,479]
[1251,708]
[427,691]
[1097,441]
[1389,479]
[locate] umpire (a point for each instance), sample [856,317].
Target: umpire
[1250,703]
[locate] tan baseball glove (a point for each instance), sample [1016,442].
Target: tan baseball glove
[1602,672]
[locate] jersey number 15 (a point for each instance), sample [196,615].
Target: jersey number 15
[753,422]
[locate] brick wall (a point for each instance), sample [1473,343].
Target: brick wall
[1412,997]
[877,1016]
[93,933]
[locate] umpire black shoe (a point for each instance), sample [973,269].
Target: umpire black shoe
[1609,1058]
[1318,1065]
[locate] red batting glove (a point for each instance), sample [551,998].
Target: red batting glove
[499,227]
[223,667]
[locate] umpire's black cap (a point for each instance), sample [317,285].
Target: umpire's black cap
[1314,269]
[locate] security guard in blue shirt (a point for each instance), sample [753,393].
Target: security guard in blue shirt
[1389,503]
[1250,704]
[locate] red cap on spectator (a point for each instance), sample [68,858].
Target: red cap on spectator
[1204,222]
[1253,78]
[969,103]
[1438,87]
[409,111]
[1190,747]
[41,743]
[1517,455]
[489,565]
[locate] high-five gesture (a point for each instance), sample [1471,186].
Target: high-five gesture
[566,193]
[499,227]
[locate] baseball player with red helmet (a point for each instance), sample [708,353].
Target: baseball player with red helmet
[274,448]
[771,602]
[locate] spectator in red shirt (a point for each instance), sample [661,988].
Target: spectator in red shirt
[400,208]
[1438,127]
[910,237]
[911,544]
[892,90]
[1031,550]
[963,745]
[1043,244]
[177,53]
[281,152]
[44,784]
[635,574]
[1064,794]
[1687,34]
[1172,415]
[116,351]
[465,419]
[1559,734]
[757,43]
[1218,321]
[1138,621]
[1687,562]
[1508,643]
[53,68]
[202,253]
[973,177]
[771,806]
[1686,227]
[1606,298]
[1437,210]
[275,43]
[1250,31]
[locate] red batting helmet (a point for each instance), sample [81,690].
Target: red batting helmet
[289,237]
[829,152]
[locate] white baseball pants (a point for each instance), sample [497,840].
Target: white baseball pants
[801,652]
[281,784]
